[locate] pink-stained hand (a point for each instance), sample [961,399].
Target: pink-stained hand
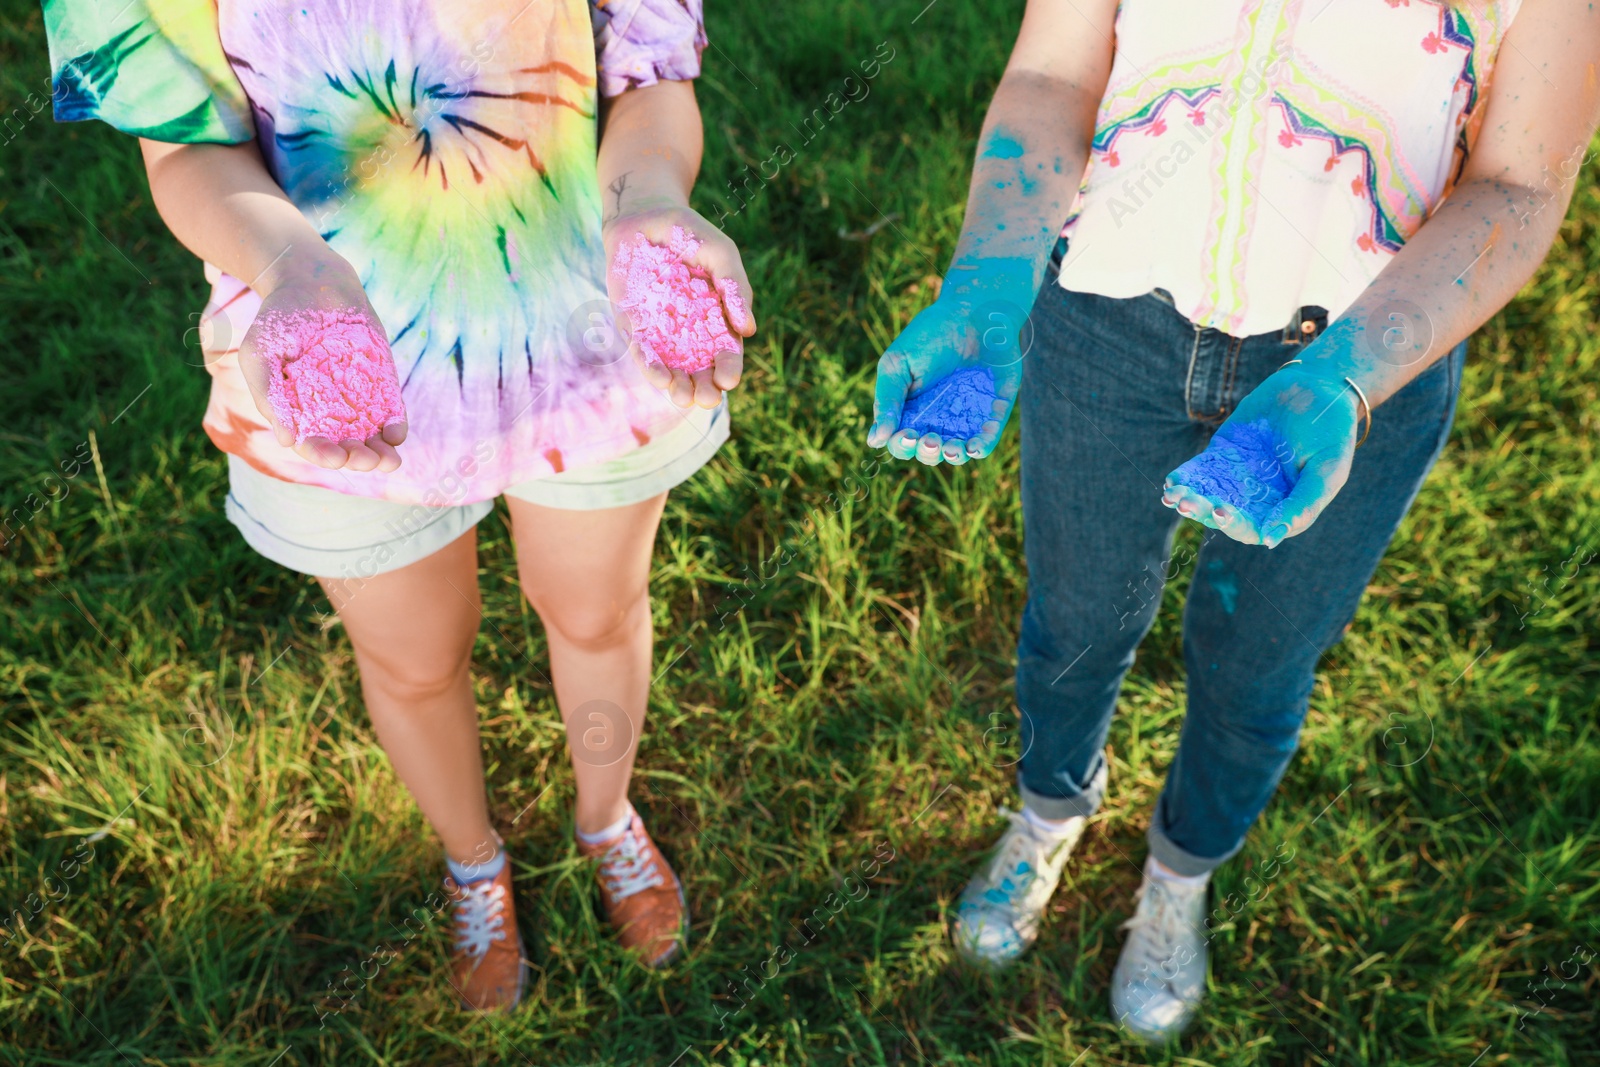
[712,255]
[370,396]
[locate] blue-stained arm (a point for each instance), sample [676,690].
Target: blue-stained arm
[1463,265]
[1031,158]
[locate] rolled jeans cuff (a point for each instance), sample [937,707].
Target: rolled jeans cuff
[1085,803]
[1176,859]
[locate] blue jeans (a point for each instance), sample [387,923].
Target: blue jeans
[1115,394]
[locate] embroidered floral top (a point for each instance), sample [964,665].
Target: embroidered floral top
[446,149]
[1253,158]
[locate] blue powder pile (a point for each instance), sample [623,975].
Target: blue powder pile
[955,406]
[1242,469]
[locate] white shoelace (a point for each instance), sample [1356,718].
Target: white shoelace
[1024,844]
[628,867]
[480,914]
[1021,846]
[1161,913]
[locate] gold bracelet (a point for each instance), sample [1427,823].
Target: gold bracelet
[1366,409]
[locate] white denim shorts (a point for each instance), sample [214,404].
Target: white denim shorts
[329,534]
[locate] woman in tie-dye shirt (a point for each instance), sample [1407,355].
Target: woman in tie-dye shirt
[437,167]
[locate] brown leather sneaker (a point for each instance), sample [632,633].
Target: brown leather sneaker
[643,898]
[486,966]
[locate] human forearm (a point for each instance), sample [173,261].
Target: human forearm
[1464,264]
[1455,271]
[1031,157]
[650,149]
[649,155]
[1486,240]
[222,205]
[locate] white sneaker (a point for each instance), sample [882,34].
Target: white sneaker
[998,919]
[1161,976]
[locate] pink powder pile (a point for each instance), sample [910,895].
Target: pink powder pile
[676,308]
[330,375]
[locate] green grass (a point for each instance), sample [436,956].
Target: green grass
[196,708]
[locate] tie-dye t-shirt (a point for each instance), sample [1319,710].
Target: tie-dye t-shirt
[446,149]
[1253,158]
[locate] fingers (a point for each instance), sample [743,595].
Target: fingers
[716,254]
[1222,516]
[655,372]
[701,388]
[657,375]
[388,458]
[988,438]
[1320,481]
[358,457]
[903,445]
[322,452]
[378,452]
[931,449]
[681,389]
[1235,523]
[706,393]
[736,294]
[728,368]
[983,445]
[374,454]
[889,398]
[720,256]
[697,389]
[257,376]
[1188,503]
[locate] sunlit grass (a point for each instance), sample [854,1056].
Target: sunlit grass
[840,631]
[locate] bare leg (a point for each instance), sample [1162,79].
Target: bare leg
[413,631]
[587,574]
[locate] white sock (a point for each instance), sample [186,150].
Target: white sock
[614,830]
[1047,827]
[477,870]
[1152,869]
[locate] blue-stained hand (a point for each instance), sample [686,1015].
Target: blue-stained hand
[980,320]
[1276,462]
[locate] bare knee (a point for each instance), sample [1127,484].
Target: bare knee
[595,623]
[416,679]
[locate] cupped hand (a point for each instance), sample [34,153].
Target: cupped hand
[1282,455]
[983,323]
[719,257]
[317,289]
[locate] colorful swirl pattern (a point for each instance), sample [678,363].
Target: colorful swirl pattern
[447,151]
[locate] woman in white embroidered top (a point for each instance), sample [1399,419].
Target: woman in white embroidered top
[1291,216]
